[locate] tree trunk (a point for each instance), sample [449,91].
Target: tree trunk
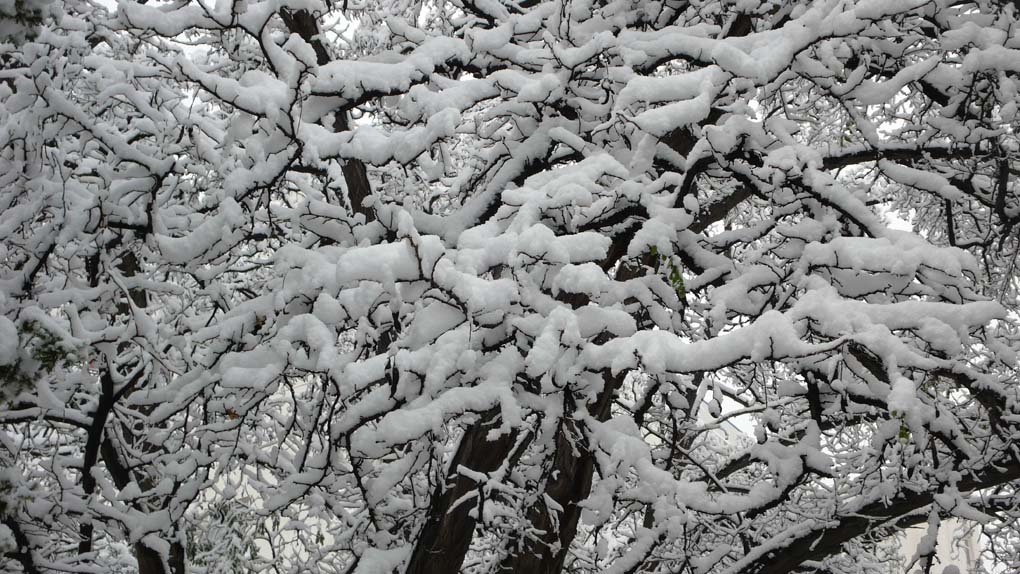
[444,540]
[572,472]
[99,444]
[305,25]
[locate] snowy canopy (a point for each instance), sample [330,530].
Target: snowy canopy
[508,287]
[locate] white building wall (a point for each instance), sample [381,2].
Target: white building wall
[963,555]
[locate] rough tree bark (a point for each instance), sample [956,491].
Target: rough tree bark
[305,25]
[445,538]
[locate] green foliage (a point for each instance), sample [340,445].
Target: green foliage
[904,434]
[46,348]
[41,351]
[673,272]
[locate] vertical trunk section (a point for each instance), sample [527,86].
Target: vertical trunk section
[99,445]
[444,540]
[305,25]
[570,476]
[571,480]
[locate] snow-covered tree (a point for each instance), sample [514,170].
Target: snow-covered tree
[507,286]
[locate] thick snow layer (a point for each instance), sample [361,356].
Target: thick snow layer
[9,343]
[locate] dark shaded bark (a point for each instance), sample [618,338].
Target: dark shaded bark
[444,539]
[572,472]
[149,560]
[130,266]
[822,542]
[899,155]
[23,553]
[305,25]
[91,456]
[98,445]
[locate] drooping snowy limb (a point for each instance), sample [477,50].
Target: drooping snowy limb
[824,539]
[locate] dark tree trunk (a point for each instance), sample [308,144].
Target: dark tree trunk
[99,445]
[571,479]
[444,540]
[305,25]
